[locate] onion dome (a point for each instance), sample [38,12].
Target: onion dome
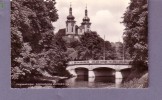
[70,14]
[70,17]
[86,18]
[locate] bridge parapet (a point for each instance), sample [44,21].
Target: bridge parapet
[96,62]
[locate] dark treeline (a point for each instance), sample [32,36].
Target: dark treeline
[90,46]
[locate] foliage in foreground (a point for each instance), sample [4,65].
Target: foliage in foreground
[135,20]
[34,49]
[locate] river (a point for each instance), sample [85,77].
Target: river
[85,82]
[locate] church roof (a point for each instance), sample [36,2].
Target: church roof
[70,17]
[62,31]
[86,18]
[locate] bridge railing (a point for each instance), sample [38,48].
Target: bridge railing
[108,62]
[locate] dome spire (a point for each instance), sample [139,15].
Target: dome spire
[86,18]
[70,10]
[70,16]
[86,11]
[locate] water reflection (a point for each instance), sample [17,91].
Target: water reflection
[97,82]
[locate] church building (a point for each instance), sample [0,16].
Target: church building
[74,31]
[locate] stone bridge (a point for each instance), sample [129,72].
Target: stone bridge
[93,68]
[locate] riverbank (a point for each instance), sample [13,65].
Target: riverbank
[51,82]
[141,82]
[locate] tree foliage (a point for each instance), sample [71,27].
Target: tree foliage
[91,46]
[35,48]
[33,19]
[136,32]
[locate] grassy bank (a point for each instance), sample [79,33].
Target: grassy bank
[137,82]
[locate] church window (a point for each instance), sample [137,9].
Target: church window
[72,29]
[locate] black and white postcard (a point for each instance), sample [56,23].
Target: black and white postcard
[79,44]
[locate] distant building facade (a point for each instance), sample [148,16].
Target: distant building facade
[72,29]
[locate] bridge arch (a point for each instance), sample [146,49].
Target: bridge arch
[81,71]
[104,71]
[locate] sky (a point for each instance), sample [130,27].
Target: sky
[105,16]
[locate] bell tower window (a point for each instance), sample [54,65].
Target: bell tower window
[72,28]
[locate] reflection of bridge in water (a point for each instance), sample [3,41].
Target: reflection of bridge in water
[96,68]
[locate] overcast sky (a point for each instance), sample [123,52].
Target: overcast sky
[105,16]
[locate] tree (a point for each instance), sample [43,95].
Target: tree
[95,47]
[16,45]
[118,46]
[33,18]
[27,65]
[136,32]
[34,47]
[56,61]
[110,52]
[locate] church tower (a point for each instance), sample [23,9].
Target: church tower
[70,23]
[86,22]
